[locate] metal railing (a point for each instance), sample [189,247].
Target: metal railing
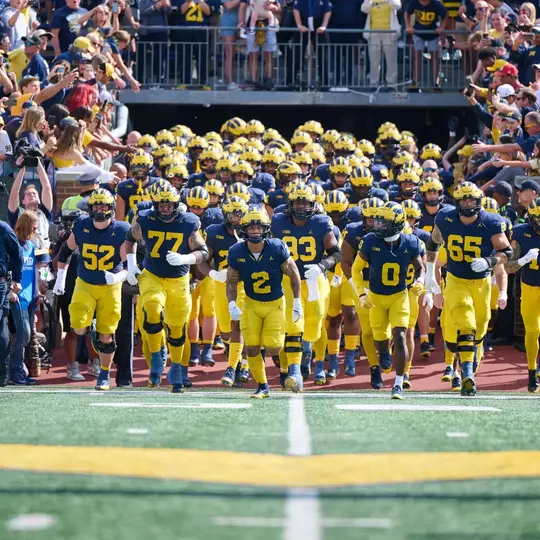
[197,57]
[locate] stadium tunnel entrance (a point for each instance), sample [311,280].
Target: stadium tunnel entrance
[428,124]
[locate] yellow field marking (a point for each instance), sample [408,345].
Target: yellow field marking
[270,469]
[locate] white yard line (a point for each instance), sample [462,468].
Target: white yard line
[457,435]
[398,407]
[128,405]
[302,507]
[331,523]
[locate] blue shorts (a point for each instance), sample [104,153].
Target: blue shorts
[420,43]
[228,19]
[269,45]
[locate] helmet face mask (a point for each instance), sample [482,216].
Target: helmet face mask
[535,223]
[233,219]
[140,172]
[468,206]
[432,198]
[363,192]
[256,233]
[339,179]
[209,166]
[166,210]
[302,209]
[407,189]
[100,212]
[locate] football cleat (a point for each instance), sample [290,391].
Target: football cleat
[228,377]
[425,349]
[397,392]
[261,393]
[177,389]
[331,375]
[282,377]
[376,377]
[447,375]
[385,361]
[156,369]
[533,387]
[350,370]
[468,387]
[185,380]
[431,337]
[207,360]
[294,380]
[218,343]
[305,366]
[406,382]
[103,380]
[243,375]
[320,374]
[333,369]
[195,355]
[456,384]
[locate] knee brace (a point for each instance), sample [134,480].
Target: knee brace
[153,328]
[179,341]
[452,347]
[293,344]
[105,348]
[466,342]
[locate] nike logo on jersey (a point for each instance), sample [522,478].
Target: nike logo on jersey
[286,231]
[113,234]
[527,235]
[271,259]
[86,230]
[375,248]
[242,260]
[218,237]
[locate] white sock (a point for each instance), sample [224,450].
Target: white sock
[399,381]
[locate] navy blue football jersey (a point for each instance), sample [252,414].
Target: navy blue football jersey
[428,220]
[261,277]
[99,249]
[388,265]
[161,237]
[467,242]
[196,180]
[211,216]
[264,181]
[527,239]
[304,242]
[219,241]
[276,198]
[354,233]
[132,194]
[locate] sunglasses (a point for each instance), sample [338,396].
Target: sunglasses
[429,169]
[527,126]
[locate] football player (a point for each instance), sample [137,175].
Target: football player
[314,248]
[475,243]
[173,243]
[360,187]
[354,269]
[389,251]
[219,238]
[261,263]
[132,191]
[287,172]
[208,160]
[339,171]
[98,289]
[526,246]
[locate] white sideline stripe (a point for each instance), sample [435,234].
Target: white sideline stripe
[174,405]
[30,522]
[457,435]
[232,395]
[302,507]
[362,523]
[396,407]
[136,431]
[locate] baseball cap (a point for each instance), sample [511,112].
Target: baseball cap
[509,69]
[109,71]
[83,43]
[511,115]
[31,40]
[466,151]
[503,188]
[40,33]
[536,66]
[505,90]
[529,184]
[498,64]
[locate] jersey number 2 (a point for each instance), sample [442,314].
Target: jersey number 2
[259,280]
[97,257]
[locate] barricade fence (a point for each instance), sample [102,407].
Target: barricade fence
[337,60]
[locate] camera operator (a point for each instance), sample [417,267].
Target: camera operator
[11,260]
[31,201]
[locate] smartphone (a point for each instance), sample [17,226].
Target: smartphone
[60,70]
[115,7]
[99,117]
[51,120]
[470,91]
[485,36]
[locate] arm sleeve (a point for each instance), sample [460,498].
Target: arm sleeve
[483,115]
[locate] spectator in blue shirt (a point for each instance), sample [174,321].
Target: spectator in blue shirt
[194,42]
[22,304]
[37,66]
[310,16]
[65,25]
[11,260]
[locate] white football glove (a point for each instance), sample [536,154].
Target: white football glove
[234,311]
[113,279]
[336,281]
[430,280]
[176,259]
[427,302]
[220,275]
[479,265]
[365,302]
[313,271]
[502,300]
[297,311]
[530,256]
[132,269]
[60,284]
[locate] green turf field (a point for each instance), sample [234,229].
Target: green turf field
[288,468]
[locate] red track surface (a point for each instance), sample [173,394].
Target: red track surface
[503,369]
